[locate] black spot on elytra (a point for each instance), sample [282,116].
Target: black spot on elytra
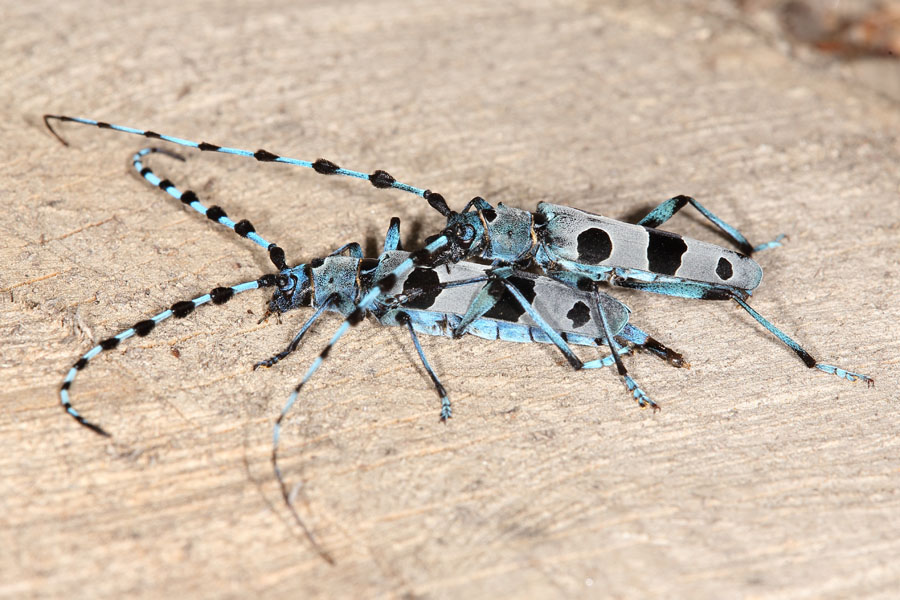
[507,307]
[579,314]
[724,269]
[526,286]
[594,246]
[421,286]
[664,251]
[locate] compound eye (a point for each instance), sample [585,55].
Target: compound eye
[282,281]
[466,233]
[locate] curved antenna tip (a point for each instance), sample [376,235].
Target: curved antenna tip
[50,128]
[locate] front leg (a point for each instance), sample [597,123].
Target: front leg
[328,304]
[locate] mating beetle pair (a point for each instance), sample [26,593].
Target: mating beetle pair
[577,251]
[578,248]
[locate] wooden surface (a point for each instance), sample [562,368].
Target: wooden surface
[759,478]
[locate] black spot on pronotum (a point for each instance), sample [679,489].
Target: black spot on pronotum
[664,251]
[214,213]
[579,314]
[422,287]
[724,269]
[324,166]
[244,228]
[594,246]
[182,309]
[316,263]
[382,179]
[489,214]
[143,328]
[109,343]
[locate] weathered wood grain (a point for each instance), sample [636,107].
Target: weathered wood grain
[757,479]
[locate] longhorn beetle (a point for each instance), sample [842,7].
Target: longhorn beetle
[575,247]
[528,308]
